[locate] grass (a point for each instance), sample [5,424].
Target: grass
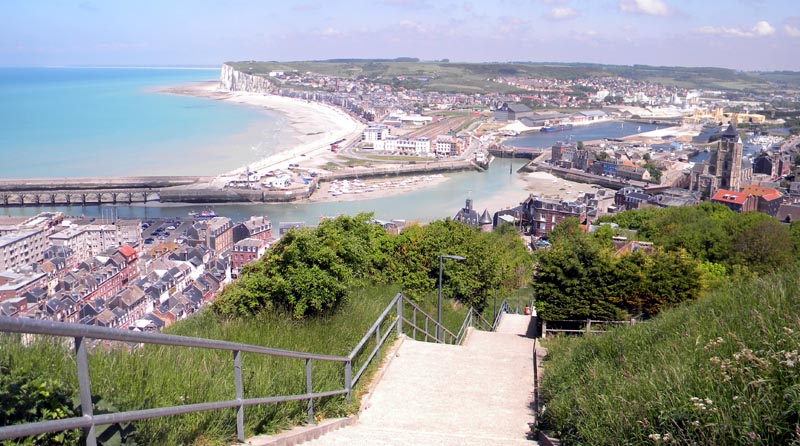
[719,371]
[158,376]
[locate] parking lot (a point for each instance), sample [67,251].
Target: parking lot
[157,231]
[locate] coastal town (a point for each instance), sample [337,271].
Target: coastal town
[382,138]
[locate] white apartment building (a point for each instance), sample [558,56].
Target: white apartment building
[374,133]
[74,238]
[22,247]
[411,147]
[90,240]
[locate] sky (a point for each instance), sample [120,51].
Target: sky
[760,35]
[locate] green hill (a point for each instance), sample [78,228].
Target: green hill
[476,77]
[723,370]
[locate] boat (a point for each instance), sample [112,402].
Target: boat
[204,214]
[557,128]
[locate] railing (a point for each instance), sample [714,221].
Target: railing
[504,308]
[394,314]
[583,326]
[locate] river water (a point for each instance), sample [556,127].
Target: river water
[432,203]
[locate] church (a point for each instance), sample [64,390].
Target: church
[723,170]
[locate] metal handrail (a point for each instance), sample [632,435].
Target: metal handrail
[504,308]
[88,421]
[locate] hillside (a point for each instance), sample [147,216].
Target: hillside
[721,370]
[476,77]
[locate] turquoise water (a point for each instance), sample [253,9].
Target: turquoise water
[86,122]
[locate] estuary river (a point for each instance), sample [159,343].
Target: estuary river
[500,184]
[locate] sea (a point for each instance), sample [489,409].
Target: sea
[99,122]
[96,122]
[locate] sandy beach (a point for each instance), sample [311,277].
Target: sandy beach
[315,127]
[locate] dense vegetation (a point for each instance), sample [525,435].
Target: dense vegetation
[580,277]
[696,248]
[309,271]
[723,370]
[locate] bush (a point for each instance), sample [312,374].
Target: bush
[26,397]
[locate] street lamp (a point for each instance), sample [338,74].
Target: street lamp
[439,306]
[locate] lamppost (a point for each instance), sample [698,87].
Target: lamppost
[439,305]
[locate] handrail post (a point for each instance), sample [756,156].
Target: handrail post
[310,392]
[237,379]
[84,388]
[399,316]
[348,378]
[414,323]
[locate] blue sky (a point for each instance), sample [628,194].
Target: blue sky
[741,34]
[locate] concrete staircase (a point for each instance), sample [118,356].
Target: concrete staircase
[480,393]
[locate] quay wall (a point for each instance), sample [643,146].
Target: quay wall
[209,196]
[407,169]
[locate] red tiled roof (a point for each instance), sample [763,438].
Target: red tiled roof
[127,251]
[727,196]
[764,192]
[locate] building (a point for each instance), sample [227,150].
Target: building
[410,147]
[22,247]
[246,251]
[736,201]
[374,133]
[774,165]
[629,198]
[14,283]
[468,215]
[73,238]
[512,112]
[446,145]
[219,234]
[256,227]
[723,170]
[769,199]
[633,173]
[543,214]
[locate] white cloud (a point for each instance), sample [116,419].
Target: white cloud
[791,31]
[761,29]
[330,32]
[561,13]
[649,7]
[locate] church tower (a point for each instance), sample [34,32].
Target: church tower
[728,167]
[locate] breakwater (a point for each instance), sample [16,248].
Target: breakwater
[180,189]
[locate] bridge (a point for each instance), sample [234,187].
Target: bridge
[472,387]
[89,191]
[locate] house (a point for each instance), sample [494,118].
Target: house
[246,251]
[543,214]
[467,215]
[256,227]
[736,201]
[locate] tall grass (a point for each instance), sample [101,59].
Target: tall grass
[720,371]
[150,376]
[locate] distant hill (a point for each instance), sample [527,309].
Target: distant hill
[475,77]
